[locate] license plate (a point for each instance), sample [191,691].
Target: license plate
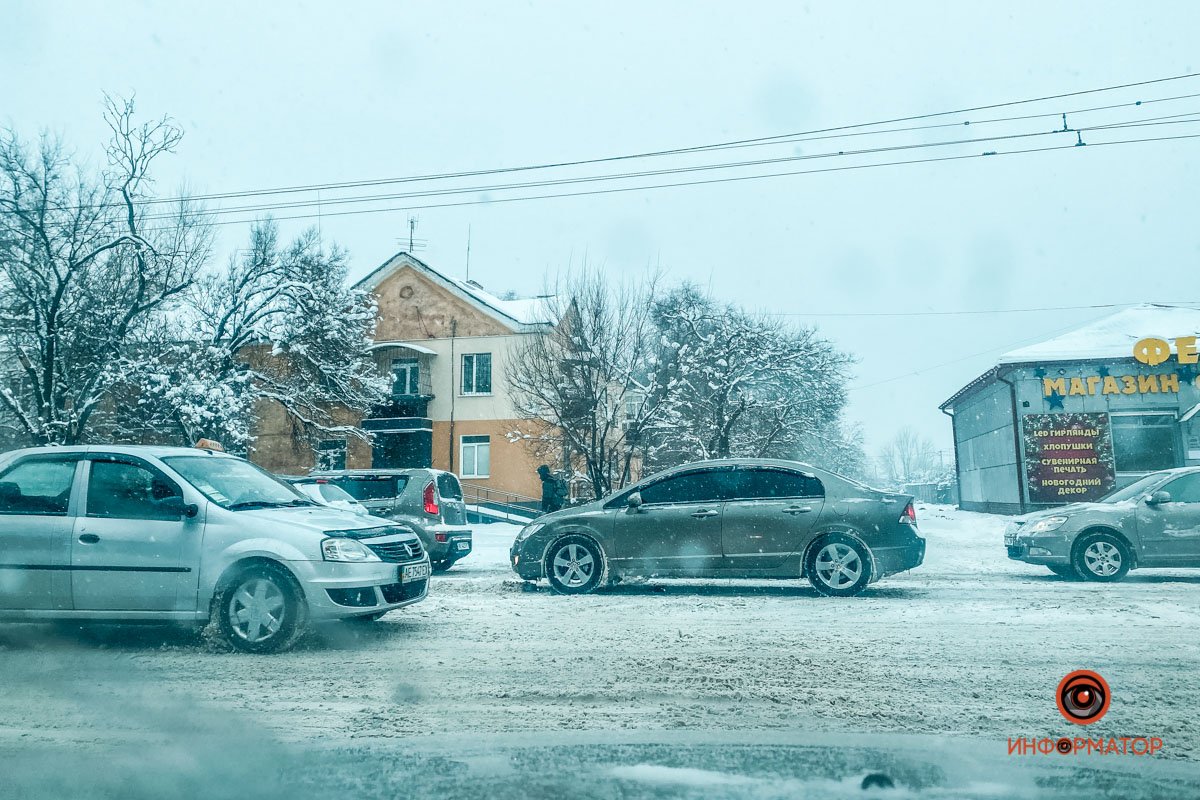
[414,572]
[1010,539]
[462,545]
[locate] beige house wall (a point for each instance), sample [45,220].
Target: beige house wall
[415,310]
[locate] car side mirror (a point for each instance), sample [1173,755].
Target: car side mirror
[175,506]
[634,501]
[1158,498]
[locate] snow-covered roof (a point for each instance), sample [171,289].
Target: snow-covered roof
[1113,336]
[519,313]
[525,310]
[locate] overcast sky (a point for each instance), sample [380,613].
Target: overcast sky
[275,94]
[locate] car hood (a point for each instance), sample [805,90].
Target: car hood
[1074,509]
[317,519]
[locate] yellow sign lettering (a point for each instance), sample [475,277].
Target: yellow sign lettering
[1185,346]
[1054,386]
[1152,351]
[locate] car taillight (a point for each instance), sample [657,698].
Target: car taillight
[441,537]
[431,503]
[910,515]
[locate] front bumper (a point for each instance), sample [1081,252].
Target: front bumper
[528,567]
[336,590]
[1039,550]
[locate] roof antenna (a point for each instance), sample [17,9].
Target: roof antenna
[468,252]
[412,228]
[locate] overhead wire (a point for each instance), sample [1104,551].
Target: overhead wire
[710,181]
[773,139]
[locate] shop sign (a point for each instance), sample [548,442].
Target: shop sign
[1068,457]
[1111,384]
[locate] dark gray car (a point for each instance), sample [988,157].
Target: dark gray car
[430,501]
[1154,522]
[728,519]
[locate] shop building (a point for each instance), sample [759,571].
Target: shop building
[1074,417]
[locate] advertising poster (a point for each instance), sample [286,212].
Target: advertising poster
[1068,457]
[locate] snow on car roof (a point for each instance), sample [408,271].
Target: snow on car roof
[1113,336]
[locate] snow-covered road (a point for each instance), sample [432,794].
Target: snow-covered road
[969,646]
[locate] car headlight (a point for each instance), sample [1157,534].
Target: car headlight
[346,550]
[1046,525]
[530,530]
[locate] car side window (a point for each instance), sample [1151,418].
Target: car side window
[118,490]
[1185,489]
[770,484]
[39,487]
[708,486]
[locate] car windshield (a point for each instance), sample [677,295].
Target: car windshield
[235,484]
[1135,489]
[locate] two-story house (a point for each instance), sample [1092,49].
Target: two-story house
[445,343]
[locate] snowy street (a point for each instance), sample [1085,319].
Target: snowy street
[968,649]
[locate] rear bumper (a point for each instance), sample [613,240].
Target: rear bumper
[890,560]
[456,544]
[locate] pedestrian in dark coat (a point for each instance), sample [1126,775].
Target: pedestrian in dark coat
[554,490]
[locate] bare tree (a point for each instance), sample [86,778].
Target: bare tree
[910,458]
[588,383]
[81,275]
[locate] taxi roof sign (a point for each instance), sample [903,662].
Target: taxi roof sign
[209,444]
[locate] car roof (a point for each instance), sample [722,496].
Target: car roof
[825,475]
[368,473]
[156,451]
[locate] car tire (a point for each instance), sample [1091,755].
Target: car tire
[575,565]
[838,565]
[1065,571]
[1101,557]
[261,610]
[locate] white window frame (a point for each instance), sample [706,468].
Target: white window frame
[463,444]
[409,366]
[462,376]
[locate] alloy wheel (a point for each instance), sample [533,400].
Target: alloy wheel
[573,565]
[838,565]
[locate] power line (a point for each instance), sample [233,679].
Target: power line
[960,313]
[774,139]
[711,181]
[1172,119]
[922,370]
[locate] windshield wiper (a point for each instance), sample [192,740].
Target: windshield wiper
[269,504]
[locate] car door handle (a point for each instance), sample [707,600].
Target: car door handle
[797,510]
[89,538]
[705,514]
